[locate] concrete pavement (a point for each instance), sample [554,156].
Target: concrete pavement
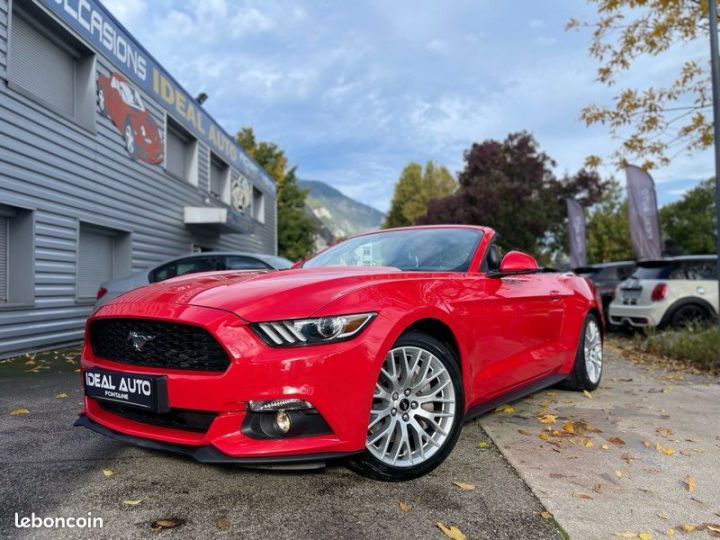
[642,455]
[54,470]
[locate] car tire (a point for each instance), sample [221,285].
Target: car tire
[101,102]
[688,314]
[428,396]
[129,139]
[588,367]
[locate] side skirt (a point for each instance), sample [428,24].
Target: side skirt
[514,395]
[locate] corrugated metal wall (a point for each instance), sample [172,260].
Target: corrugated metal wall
[66,174]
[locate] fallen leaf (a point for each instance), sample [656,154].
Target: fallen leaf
[617,441]
[667,451]
[581,495]
[483,444]
[523,432]
[670,532]
[688,528]
[451,532]
[405,507]
[464,485]
[598,488]
[61,395]
[647,444]
[663,515]
[605,447]
[645,536]
[544,436]
[551,394]
[18,412]
[223,523]
[665,432]
[569,427]
[547,419]
[587,394]
[132,502]
[618,474]
[507,409]
[690,483]
[169,523]
[108,472]
[545,515]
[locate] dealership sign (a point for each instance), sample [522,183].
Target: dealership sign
[94,23]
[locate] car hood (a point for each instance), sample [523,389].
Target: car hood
[262,295]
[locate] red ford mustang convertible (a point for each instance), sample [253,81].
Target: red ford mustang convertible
[376,351]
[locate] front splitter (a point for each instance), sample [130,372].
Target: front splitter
[210,454]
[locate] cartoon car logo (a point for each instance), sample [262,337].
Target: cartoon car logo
[121,102]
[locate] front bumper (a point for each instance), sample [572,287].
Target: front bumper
[337,379]
[210,454]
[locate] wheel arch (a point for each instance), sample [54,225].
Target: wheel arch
[686,301]
[440,331]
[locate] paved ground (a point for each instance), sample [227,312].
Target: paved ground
[648,460]
[52,469]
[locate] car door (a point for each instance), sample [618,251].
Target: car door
[516,322]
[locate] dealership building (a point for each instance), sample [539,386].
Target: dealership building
[107,166]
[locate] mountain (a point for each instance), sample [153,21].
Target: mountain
[340,214]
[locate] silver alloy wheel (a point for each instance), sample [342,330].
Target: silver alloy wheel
[129,140]
[413,408]
[593,351]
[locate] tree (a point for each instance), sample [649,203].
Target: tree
[415,189]
[510,186]
[296,231]
[653,123]
[690,222]
[608,228]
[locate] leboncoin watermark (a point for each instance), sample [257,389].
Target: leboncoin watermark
[36,522]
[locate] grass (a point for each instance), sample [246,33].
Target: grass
[696,344]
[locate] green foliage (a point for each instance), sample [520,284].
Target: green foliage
[690,222]
[608,228]
[414,190]
[696,343]
[296,230]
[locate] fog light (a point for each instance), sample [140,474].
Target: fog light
[282,422]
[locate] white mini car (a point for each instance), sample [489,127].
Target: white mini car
[667,292]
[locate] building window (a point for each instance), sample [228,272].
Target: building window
[219,179]
[180,152]
[50,66]
[16,256]
[103,254]
[258,208]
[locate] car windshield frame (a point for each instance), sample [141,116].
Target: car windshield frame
[130,96]
[410,250]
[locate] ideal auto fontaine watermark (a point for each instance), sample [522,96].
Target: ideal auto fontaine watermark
[73,522]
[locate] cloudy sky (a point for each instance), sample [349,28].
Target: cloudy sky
[353,91]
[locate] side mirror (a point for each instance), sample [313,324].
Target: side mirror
[516,262]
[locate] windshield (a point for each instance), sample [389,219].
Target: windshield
[130,95]
[434,250]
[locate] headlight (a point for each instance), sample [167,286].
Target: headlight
[312,331]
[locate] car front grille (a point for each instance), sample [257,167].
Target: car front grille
[183,419]
[157,344]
